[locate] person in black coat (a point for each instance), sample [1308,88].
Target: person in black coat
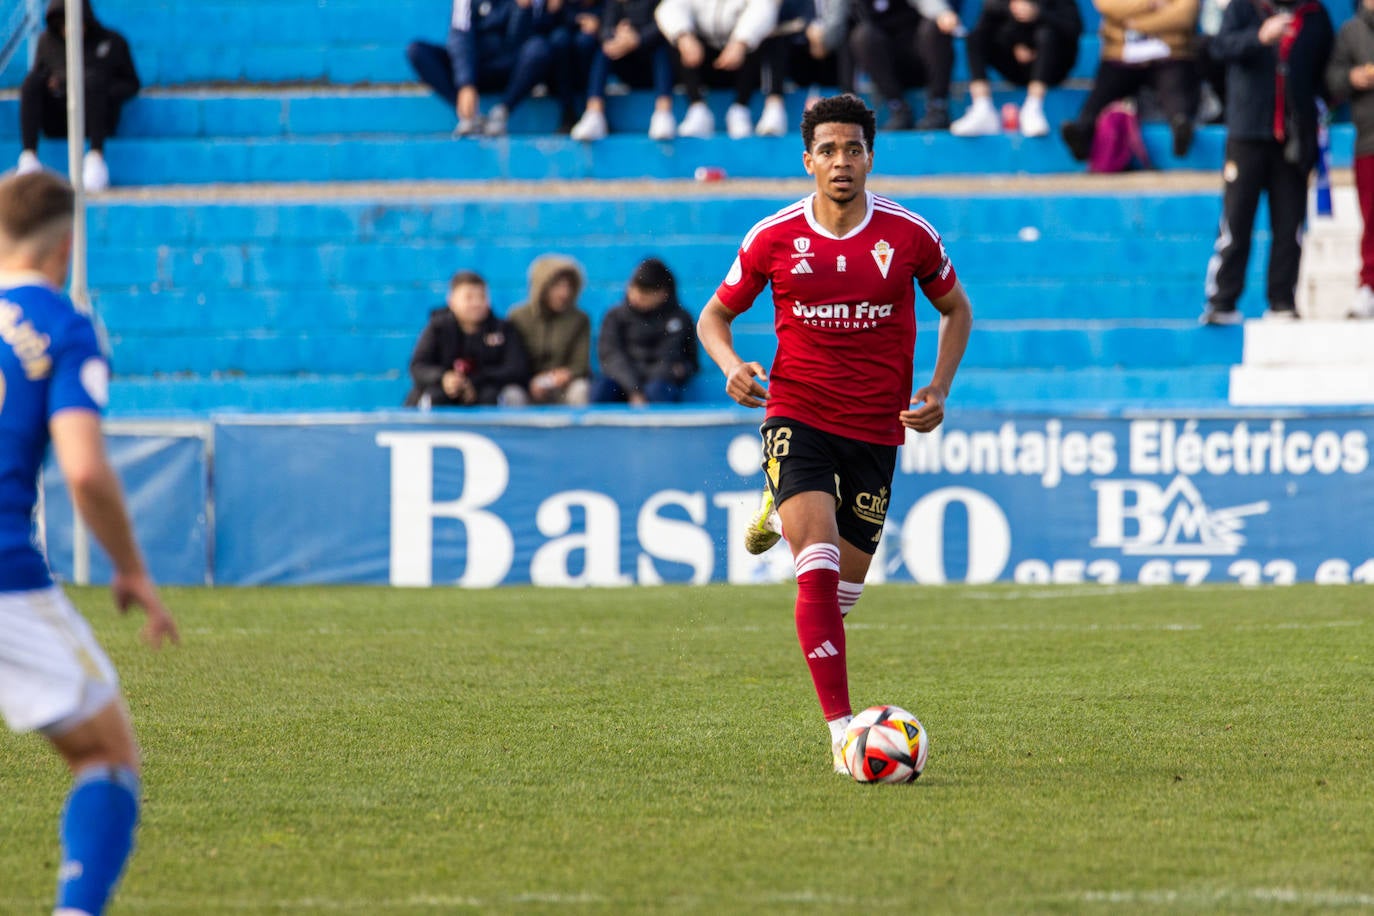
[110,79]
[648,346]
[466,355]
[1276,58]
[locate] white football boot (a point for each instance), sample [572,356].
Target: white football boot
[838,728]
[765,528]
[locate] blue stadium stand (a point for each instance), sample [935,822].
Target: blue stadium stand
[312,300]
[315,305]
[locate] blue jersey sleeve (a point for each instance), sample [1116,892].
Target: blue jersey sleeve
[80,373]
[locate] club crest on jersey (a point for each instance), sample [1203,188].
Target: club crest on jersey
[802,244]
[839,264]
[882,256]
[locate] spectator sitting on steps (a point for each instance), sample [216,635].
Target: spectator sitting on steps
[648,345]
[556,333]
[466,355]
[110,79]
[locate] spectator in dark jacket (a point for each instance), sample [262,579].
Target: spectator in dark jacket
[1350,75]
[1033,43]
[466,355]
[110,80]
[1276,59]
[631,47]
[493,46]
[556,333]
[648,344]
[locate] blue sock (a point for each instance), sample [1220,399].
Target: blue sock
[97,836]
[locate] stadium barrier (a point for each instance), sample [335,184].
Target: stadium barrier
[618,497]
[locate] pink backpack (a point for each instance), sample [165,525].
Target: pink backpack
[1117,143]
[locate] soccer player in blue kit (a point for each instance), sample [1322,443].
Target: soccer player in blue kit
[54,677]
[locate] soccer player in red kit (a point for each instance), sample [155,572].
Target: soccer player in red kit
[843,265]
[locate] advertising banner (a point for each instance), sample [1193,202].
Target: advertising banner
[165,474]
[617,498]
[645,498]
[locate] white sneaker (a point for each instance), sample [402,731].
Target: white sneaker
[738,123]
[662,126]
[95,175]
[764,529]
[1363,306]
[590,127]
[1033,122]
[979,121]
[773,121]
[698,122]
[28,163]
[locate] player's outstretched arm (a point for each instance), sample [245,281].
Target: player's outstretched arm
[743,381]
[96,493]
[928,403]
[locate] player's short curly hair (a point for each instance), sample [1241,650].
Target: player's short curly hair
[839,109]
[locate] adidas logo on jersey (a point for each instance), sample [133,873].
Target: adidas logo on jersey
[803,267]
[824,650]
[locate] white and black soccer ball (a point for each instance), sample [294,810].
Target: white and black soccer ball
[885,744]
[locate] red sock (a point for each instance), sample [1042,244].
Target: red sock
[820,628]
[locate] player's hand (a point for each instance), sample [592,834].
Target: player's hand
[930,414]
[1024,54]
[744,385]
[947,22]
[131,589]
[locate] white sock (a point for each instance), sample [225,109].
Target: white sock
[837,727]
[849,595]
[981,103]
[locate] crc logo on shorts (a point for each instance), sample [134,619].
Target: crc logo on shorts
[872,507]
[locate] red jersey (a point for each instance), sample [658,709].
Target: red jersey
[844,313]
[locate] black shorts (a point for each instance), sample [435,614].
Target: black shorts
[799,459]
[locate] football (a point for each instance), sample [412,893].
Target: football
[885,744]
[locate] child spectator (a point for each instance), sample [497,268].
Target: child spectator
[726,37]
[1033,43]
[634,50]
[110,80]
[1144,42]
[556,333]
[1350,75]
[903,44]
[466,355]
[493,46]
[648,345]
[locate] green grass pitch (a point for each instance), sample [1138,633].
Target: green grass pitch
[357,750]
